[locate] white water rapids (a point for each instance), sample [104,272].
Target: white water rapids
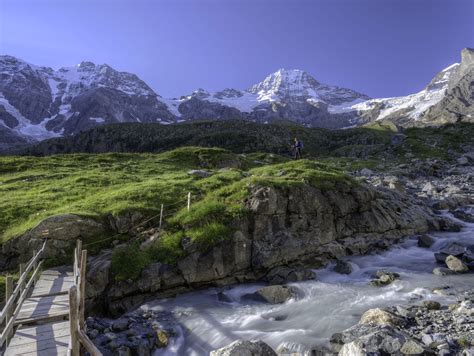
[327,305]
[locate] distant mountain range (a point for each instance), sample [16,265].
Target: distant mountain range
[38,102]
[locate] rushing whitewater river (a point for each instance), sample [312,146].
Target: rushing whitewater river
[327,305]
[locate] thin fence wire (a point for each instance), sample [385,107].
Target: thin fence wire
[184,203]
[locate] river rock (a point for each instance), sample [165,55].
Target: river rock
[425,241]
[464,214]
[342,267]
[442,271]
[283,275]
[120,324]
[376,340]
[162,339]
[456,265]
[431,305]
[272,294]
[411,347]
[384,278]
[245,348]
[354,348]
[454,249]
[379,316]
[222,297]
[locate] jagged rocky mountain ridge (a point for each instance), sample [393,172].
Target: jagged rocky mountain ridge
[39,102]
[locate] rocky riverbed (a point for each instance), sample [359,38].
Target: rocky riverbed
[340,309]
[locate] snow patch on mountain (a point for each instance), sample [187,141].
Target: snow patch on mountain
[25,127]
[415,104]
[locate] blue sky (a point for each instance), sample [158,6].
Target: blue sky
[378,47]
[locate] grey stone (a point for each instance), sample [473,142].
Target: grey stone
[425,240]
[222,297]
[342,267]
[245,348]
[199,173]
[456,265]
[120,324]
[442,271]
[431,304]
[411,347]
[272,294]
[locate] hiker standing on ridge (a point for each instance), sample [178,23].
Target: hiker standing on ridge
[297,149]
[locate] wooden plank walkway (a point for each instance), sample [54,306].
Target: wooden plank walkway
[49,306]
[44,312]
[48,339]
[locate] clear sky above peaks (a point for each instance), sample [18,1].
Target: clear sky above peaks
[379,47]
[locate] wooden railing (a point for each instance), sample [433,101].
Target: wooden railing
[14,298]
[77,306]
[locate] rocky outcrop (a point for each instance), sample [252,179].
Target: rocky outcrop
[457,105]
[299,226]
[61,232]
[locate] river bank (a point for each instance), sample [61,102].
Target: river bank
[196,323]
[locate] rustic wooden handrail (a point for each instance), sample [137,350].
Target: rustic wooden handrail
[21,283]
[77,306]
[16,297]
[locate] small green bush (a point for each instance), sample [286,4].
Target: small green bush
[168,248]
[209,235]
[128,262]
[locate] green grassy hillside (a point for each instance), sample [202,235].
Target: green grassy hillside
[35,188]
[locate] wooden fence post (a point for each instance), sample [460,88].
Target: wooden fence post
[73,321]
[74,265]
[78,252]
[82,290]
[22,270]
[161,216]
[189,201]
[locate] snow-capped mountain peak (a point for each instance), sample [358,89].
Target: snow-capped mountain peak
[88,75]
[285,83]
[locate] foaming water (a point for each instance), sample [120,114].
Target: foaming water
[330,304]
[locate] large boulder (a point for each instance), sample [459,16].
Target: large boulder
[61,231]
[272,294]
[245,348]
[369,340]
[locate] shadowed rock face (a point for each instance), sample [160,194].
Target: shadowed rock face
[458,104]
[25,88]
[296,226]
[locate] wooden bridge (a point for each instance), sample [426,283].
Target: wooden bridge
[44,311]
